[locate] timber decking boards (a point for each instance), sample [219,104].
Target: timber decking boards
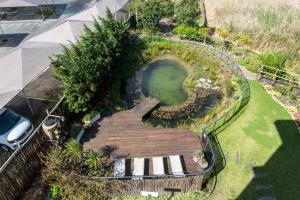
[126,133]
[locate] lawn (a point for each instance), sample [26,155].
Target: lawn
[266,137]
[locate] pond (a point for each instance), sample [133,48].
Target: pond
[163,79]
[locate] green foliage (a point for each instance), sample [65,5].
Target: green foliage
[190,82]
[287,91]
[150,12]
[72,180]
[106,52]
[187,12]
[53,191]
[73,151]
[193,33]
[93,160]
[243,39]
[89,116]
[222,33]
[276,60]
[184,29]
[74,130]
[228,88]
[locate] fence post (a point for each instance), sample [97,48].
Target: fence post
[274,77]
[259,73]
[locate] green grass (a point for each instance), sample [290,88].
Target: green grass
[266,135]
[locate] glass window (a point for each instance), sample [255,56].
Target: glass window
[7,121]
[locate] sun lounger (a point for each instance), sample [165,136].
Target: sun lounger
[120,167]
[138,168]
[158,166]
[176,165]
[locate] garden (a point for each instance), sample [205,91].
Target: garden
[114,65]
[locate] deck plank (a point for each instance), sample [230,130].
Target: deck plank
[127,133]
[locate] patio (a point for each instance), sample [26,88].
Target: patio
[124,134]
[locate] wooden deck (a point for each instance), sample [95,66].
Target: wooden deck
[125,134]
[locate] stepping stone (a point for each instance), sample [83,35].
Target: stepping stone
[227,156]
[267,198]
[238,157]
[260,175]
[263,187]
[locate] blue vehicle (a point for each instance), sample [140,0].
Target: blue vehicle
[14,129]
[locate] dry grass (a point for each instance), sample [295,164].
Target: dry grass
[273,24]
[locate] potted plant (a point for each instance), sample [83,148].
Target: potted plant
[202,164]
[198,155]
[90,118]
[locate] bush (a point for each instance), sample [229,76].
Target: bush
[150,12]
[276,60]
[106,52]
[193,32]
[187,12]
[70,177]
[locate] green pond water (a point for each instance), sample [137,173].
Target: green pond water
[163,79]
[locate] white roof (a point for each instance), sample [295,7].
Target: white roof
[68,31]
[99,10]
[20,67]
[6,94]
[18,3]
[28,61]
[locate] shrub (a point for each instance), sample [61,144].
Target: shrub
[184,29]
[193,33]
[276,60]
[282,89]
[53,191]
[187,12]
[106,52]
[72,180]
[150,12]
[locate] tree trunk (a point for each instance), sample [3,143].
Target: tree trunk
[203,12]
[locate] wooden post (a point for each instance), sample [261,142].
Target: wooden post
[259,73]
[274,77]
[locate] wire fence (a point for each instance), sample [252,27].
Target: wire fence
[24,162]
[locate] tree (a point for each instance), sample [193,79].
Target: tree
[150,12]
[87,68]
[187,12]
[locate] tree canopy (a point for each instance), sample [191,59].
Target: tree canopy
[187,12]
[90,66]
[150,12]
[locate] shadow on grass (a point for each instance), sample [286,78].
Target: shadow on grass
[279,177]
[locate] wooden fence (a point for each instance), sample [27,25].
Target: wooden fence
[23,164]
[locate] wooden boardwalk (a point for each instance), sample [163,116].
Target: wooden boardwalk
[124,133]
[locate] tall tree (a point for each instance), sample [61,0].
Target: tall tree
[87,67]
